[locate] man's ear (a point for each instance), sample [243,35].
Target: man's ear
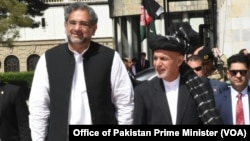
[180,60]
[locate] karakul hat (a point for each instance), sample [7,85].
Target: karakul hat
[169,43]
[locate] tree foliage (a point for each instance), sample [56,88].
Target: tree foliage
[15,14]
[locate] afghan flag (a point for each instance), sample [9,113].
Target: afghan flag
[150,10]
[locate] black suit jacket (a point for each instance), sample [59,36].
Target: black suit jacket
[14,123]
[139,67]
[151,105]
[223,103]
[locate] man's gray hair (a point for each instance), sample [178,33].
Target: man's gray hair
[82,6]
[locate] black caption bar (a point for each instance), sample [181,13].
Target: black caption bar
[77,132]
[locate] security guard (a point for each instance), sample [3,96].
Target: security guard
[215,63]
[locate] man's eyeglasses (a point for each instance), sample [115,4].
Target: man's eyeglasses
[235,72]
[82,24]
[197,68]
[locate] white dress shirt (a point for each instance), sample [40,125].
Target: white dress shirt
[39,101]
[172,92]
[245,103]
[134,69]
[79,97]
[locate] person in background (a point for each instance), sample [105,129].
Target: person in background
[196,63]
[171,97]
[226,102]
[143,63]
[134,66]
[14,121]
[79,82]
[214,62]
[128,64]
[243,51]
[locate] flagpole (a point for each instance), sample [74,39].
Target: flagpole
[149,52]
[145,43]
[150,11]
[165,22]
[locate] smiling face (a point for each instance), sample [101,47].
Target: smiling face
[79,29]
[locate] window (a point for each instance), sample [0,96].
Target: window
[32,61]
[11,64]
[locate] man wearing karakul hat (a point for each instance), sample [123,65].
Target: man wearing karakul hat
[169,98]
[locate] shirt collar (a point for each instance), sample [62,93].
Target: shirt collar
[173,84]
[235,93]
[76,53]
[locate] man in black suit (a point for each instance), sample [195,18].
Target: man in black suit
[142,63]
[14,122]
[227,101]
[167,99]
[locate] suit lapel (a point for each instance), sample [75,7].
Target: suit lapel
[183,98]
[162,100]
[228,103]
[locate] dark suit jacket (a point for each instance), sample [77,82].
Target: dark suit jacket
[151,105]
[218,86]
[223,103]
[14,123]
[139,67]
